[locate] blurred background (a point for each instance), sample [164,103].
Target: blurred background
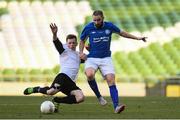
[28,56]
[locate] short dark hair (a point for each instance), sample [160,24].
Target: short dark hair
[98,12]
[71,36]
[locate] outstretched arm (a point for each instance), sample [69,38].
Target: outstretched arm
[128,35]
[56,41]
[54,30]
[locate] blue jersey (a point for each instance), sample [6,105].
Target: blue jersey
[99,39]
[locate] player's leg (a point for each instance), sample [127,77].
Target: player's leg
[70,99]
[110,78]
[31,90]
[107,71]
[76,96]
[58,85]
[90,70]
[44,90]
[90,73]
[68,87]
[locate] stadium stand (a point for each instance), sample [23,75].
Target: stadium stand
[27,49]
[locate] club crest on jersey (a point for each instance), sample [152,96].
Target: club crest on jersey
[107,31]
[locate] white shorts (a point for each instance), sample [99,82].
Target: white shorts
[105,65]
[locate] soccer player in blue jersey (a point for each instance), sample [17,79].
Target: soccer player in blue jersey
[99,33]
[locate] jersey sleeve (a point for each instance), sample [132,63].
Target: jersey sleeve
[58,45]
[84,34]
[115,29]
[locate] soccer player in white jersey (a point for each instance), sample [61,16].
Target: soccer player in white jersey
[65,80]
[99,33]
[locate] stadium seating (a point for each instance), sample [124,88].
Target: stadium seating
[125,68]
[27,48]
[26,30]
[9,74]
[173,53]
[152,61]
[164,59]
[140,64]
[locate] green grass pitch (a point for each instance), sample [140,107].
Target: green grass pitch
[25,107]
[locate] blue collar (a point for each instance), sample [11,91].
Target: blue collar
[99,27]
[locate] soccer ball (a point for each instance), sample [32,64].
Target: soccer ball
[47,107]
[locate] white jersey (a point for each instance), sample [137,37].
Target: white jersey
[69,62]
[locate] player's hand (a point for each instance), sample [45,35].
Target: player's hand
[143,39]
[54,28]
[81,55]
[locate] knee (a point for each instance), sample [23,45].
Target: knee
[51,91]
[78,95]
[90,74]
[80,98]
[110,79]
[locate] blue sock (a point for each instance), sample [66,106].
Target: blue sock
[114,95]
[94,87]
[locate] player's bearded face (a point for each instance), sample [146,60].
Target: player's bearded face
[72,43]
[98,20]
